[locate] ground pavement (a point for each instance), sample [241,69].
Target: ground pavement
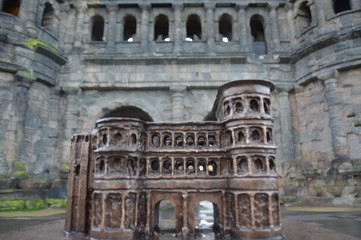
[298,224]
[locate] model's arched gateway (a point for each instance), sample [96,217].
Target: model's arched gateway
[125,167]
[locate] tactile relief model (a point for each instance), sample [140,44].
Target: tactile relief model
[124,168]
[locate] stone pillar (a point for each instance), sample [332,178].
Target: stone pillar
[81,8]
[210,25]
[70,119]
[355,4]
[177,103]
[274,27]
[244,37]
[29,11]
[111,27]
[320,13]
[178,40]
[144,26]
[334,103]
[21,108]
[287,150]
[64,11]
[291,24]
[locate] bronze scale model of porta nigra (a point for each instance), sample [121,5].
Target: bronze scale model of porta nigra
[124,168]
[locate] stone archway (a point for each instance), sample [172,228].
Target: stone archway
[175,199]
[129,112]
[164,219]
[215,198]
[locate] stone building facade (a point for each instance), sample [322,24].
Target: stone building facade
[65,64]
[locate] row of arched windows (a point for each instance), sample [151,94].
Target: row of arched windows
[161,28]
[193,29]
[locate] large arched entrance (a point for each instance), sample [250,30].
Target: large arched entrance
[129,112]
[206,219]
[164,217]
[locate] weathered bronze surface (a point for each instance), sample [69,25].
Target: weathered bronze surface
[124,168]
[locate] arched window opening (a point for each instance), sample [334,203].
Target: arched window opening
[97,28]
[225,28]
[155,140]
[194,28]
[130,28]
[304,17]
[101,167]
[242,165]
[190,140]
[190,169]
[167,140]
[11,6]
[258,35]
[201,167]
[161,28]
[341,6]
[164,217]
[77,170]
[178,166]
[154,164]
[167,166]
[258,165]
[179,140]
[206,216]
[212,168]
[48,20]
[129,112]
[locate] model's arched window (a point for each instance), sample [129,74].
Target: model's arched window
[225,28]
[194,28]
[161,28]
[130,28]
[97,28]
[341,5]
[11,7]
[258,36]
[48,20]
[304,17]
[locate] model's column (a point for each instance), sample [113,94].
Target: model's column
[144,26]
[112,10]
[210,25]
[185,229]
[177,103]
[334,103]
[81,8]
[243,37]
[286,149]
[274,27]
[178,41]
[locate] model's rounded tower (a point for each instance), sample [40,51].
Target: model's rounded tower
[244,107]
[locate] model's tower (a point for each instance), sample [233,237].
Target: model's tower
[76,218]
[117,204]
[253,203]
